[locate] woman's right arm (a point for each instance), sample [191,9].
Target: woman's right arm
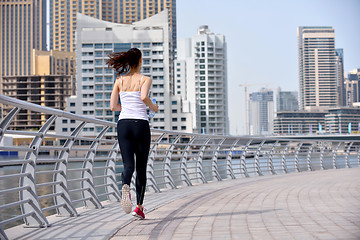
[145,94]
[114,99]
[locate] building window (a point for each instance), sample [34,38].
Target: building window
[183,119]
[174,102]
[183,127]
[174,119]
[174,128]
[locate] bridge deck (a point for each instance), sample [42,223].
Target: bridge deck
[308,205]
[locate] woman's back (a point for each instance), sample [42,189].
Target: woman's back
[130,97]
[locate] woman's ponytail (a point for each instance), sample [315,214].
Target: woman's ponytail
[123,62]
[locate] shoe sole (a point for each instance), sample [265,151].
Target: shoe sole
[125,201]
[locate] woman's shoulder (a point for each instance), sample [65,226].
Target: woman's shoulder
[144,77]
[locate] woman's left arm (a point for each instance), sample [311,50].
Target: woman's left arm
[114,99]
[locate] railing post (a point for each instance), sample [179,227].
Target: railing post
[297,167]
[90,193]
[283,158]
[358,157]
[199,170]
[308,158]
[270,161]
[347,155]
[7,120]
[334,155]
[184,175]
[167,168]
[242,160]
[257,164]
[30,180]
[229,168]
[322,156]
[64,155]
[214,167]
[111,180]
[151,182]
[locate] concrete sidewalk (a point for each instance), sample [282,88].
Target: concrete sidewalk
[307,205]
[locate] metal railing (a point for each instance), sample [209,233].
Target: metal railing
[84,171]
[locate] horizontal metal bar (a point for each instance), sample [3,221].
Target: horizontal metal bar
[105,167]
[48,184]
[103,185]
[101,158]
[52,148]
[16,175]
[82,149]
[13,204]
[13,219]
[105,194]
[79,189]
[78,169]
[17,189]
[81,200]
[52,111]
[50,195]
[53,207]
[79,160]
[49,172]
[14,162]
[8,148]
[103,176]
[78,179]
[51,161]
[26,133]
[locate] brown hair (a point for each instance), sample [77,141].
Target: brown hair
[123,62]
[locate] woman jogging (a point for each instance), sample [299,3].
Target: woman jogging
[133,126]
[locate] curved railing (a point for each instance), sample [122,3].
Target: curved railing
[84,171]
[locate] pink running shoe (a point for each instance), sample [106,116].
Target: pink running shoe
[138,213]
[126,199]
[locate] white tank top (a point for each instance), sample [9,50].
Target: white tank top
[132,107]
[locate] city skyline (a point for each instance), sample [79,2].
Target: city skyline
[262,40]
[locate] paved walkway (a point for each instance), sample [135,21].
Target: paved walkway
[307,205]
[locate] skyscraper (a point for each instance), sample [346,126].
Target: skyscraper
[318,87]
[63,16]
[22,29]
[286,101]
[340,76]
[261,112]
[352,87]
[201,80]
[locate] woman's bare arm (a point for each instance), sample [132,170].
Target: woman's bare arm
[145,94]
[114,99]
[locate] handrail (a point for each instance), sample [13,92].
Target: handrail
[86,175]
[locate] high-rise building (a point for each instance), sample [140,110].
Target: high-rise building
[261,114]
[352,89]
[287,101]
[318,84]
[54,63]
[96,40]
[340,76]
[200,74]
[63,16]
[45,90]
[23,28]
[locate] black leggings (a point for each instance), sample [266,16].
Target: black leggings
[134,138]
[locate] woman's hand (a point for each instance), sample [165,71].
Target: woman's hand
[155,107]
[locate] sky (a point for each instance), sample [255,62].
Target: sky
[261,40]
